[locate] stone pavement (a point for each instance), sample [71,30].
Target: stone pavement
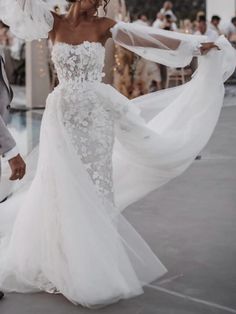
[191,225]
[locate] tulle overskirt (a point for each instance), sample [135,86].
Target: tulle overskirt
[64,237]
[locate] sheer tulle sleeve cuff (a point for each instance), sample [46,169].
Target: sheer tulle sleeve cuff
[161,46]
[27,19]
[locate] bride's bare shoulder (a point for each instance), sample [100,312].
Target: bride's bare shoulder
[106,23]
[57,18]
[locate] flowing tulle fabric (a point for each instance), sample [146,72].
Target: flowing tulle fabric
[64,237]
[28,19]
[178,123]
[165,47]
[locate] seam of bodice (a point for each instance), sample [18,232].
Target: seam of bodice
[85,42]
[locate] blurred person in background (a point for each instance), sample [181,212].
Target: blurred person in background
[187,26]
[7,39]
[230,29]
[17,48]
[142,19]
[4,38]
[168,9]
[214,24]
[211,31]
[169,24]
[195,22]
[13,49]
[203,29]
[158,72]
[159,22]
[15,60]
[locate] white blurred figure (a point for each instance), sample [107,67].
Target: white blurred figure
[169,24]
[229,29]
[214,24]
[203,29]
[159,22]
[168,9]
[187,26]
[17,46]
[142,20]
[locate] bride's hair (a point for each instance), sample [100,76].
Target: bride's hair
[105,3]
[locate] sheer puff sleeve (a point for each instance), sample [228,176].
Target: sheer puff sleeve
[161,46]
[27,19]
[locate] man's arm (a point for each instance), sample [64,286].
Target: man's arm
[7,143]
[9,151]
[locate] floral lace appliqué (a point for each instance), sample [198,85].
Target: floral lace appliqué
[87,119]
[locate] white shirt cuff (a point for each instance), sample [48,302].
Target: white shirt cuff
[197,51]
[11,153]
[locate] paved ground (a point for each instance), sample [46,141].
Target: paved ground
[190,224]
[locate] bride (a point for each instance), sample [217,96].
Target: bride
[100,152]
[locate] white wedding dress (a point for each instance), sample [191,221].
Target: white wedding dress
[98,153]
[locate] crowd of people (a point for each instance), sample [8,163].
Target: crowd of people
[167,19]
[148,76]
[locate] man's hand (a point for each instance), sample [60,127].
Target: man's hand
[18,168]
[206,47]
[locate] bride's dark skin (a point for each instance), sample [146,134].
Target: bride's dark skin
[81,24]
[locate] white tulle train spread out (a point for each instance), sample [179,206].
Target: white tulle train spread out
[98,153]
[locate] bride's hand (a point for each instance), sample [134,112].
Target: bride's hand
[206,47]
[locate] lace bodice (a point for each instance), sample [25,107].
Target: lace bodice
[87,118]
[80,63]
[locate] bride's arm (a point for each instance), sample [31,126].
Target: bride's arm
[27,19]
[165,47]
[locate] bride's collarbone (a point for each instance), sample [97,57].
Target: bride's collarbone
[74,40]
[86,31]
